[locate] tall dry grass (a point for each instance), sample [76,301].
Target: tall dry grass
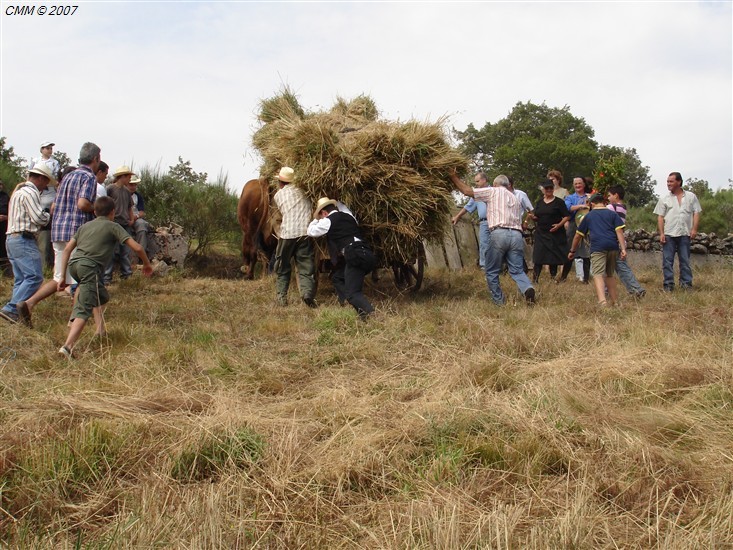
[212,418]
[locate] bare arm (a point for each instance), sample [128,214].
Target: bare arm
[574,246]
[454,219]
[695,222]
[461,185]
[560,224]
[621,241]
[660,226]
[84,205]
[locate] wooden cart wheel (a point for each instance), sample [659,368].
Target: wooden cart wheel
[409,276]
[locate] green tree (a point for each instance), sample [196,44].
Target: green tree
[12,167]
[185,173]
[700,187]
[529,141]
[63,159]
[625,165]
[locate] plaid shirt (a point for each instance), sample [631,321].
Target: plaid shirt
[296,211]
[67,218]
[503,209]
[25,212]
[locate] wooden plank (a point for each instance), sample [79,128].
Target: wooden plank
[451,250]
[467,241]
[434,256]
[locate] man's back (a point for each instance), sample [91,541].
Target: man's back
[67,217]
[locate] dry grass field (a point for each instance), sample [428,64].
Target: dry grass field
[210,418]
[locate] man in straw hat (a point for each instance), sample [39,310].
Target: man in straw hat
[293,242]
[73,207]
[25,218]
[506,241]
[119,192]
[350,255]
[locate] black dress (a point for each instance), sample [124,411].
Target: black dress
[550,248]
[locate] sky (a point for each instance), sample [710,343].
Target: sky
[151,81]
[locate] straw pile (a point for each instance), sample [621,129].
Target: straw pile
[393,175]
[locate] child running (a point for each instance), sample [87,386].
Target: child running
[95,243]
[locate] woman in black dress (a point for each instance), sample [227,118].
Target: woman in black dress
[550,241]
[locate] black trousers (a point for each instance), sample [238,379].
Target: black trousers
[349,284]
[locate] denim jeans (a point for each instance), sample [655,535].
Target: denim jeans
[483,242]
[505,244]
[681,247]
[627,277]
[26,261]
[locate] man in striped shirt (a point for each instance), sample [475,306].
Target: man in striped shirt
[506,241]
[25,218]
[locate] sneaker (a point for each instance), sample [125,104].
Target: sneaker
[24,313]
[529,295]
[310,302]
[66,352]
[9,316]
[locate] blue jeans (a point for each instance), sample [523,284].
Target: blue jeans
[627,277]
[681,247]
[483,242]
[505,244]
[26,261]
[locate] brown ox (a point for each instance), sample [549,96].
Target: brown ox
[254,219]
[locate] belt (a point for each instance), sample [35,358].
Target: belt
[501,227]
[24,234]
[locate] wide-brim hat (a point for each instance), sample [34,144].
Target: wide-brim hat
[286,174]
[47,144]
[43,170]
[322,203]
[135,180]
[122,171]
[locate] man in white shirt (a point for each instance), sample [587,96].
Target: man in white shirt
[678,215]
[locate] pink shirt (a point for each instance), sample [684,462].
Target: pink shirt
[503,209]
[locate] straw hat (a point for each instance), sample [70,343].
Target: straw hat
[286,174]
[122,171]
[135,180]
[43,170]
[322,203]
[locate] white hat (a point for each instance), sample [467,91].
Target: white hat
[47,144]
[322,203]
[286,174]
[122,171]
[43,170]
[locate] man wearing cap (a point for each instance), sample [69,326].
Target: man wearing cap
[350,255]
[293,241]
[118,191]
[47,159]
[678,215]
[73,206]
[25,217]
[506,241]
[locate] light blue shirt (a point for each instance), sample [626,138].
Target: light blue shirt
[476,206]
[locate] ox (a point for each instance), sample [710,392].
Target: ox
[253,213]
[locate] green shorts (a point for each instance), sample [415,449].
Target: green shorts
[91,292]
[603,264]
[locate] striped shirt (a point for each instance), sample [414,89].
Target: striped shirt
[296,211]
[25,212]
[67,218]
[503,209]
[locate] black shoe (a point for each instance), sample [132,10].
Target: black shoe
[24,313]
[310,302]
[529,295]
[668,288]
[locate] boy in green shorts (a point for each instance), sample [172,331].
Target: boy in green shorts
[95,243]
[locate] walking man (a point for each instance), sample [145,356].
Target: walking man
[506,240]
[293,242]
[25,218]
[678,215]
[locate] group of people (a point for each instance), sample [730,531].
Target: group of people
[583,228]
[73,230]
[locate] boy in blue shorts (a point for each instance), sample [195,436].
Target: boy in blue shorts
[95,243]
[606,231]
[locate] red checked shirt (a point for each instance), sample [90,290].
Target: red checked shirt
[503,209]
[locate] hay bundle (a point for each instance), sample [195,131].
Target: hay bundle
[394,176]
